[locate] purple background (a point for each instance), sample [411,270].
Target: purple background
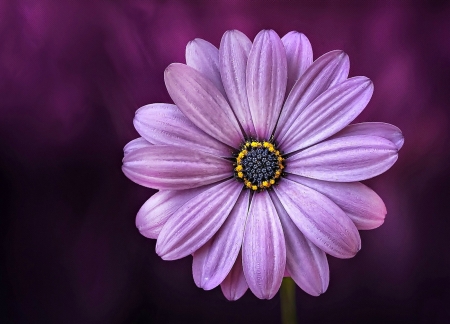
[73,74]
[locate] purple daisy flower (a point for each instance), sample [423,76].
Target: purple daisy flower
[256,164]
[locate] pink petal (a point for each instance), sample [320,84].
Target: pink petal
[174,167]
[387,131]
[191,226]
[263,250]
[319,219]
[233,55]
[344,159]
[204,57]
[202,103]
[135,144]
[214,260]
[266,81]
[364,207]
[234,286]
[299,56]
[165,124]
[327,71]
[328,114]
[305,262]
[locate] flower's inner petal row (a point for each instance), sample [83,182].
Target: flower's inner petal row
[328,114]
[233,55]
[263,250]
[319,219]
[364,207]
[305,262]
[157,210]
[234,286]
[204,57]
[202,103]
[214,260]
[135,144]
[174,167]
[165,124]
[191,226]
[299,56]
[344,159]
[327,71]
[266,81]
[387,131]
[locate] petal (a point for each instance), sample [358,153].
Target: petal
[202,103]
[263,250]
[165,124]
[234,286]
[344,159]
[204,57]
[328,114]
[299,56]
[327,71]
[214,260]
[191,226]
[266,81]
[364,207]
[387,131]
[305,262]
[319,219]
[174,168]
[233,55]
[135,144]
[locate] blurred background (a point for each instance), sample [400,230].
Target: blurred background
[72,74]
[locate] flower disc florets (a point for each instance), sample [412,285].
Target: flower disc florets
[258,164]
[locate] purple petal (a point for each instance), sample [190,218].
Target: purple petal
[202,103]
[263,250]
[234,286]
[319,219]
[233,55]
[266,81]
[327,71]
[174,167]
[328,114]
[387,131]
[191,226]
[135,144]
[344,159]
[165,124]
[299,56]
[214,260]
[204,57]
[364,207]
[305,262]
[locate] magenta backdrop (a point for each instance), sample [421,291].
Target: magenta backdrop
[72,74]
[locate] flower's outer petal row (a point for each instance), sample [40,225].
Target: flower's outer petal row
[266,79]
[305,262]
[327,71]
[135,144]
[388,131]
[364,207]
[299,56]
[344,159]
[155,212]
[319,219]
[165,124]
[191,226]
[234,286]
[214,260]
[174,167]
[328,113]
[202,103]
[204,57]
[233,55]
[263,250]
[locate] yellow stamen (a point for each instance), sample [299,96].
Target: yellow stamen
[240,175]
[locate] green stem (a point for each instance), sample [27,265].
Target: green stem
[287,296]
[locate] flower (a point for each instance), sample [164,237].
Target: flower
[256,166]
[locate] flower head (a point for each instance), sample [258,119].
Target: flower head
[256,164]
